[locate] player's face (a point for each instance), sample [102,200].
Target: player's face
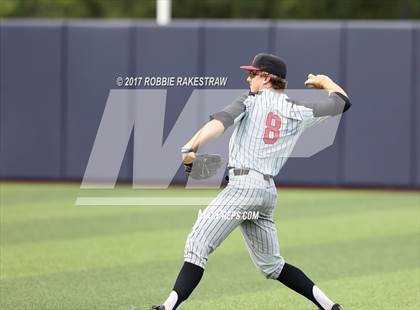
[256,81]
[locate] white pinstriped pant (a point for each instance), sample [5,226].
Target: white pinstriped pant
[243,193]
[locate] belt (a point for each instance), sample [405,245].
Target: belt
[245,171]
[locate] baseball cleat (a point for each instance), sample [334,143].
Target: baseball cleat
[161,307]
[334,307]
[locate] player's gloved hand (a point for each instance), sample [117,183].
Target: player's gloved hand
[204,166]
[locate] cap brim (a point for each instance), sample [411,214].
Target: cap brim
[249,68]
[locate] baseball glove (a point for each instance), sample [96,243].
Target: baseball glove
[204,166]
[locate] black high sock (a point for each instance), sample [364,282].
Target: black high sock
[187,280]
[295,279]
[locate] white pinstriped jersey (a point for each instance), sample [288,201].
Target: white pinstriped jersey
[266,132]
[267,126]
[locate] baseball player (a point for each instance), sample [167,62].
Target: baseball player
[267,126]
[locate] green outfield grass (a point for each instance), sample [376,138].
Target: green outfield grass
[361,247]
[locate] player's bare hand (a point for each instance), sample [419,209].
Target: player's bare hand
[188,158]
[317,81]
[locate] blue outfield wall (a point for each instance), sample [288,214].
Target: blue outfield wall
[378,64]
[415,141]
[95,55]
[31,95]
[169,51]
[55,78]
[311,48]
